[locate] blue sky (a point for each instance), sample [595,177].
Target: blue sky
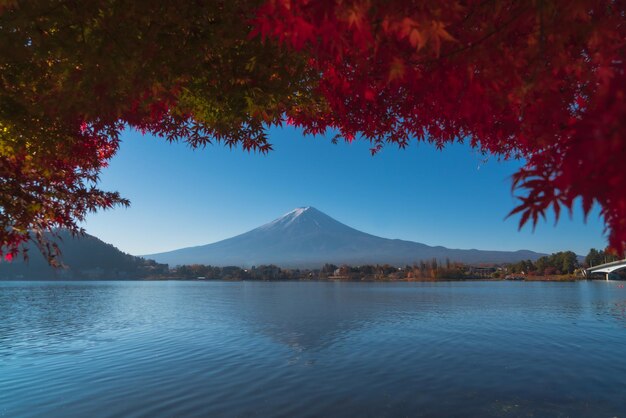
[182,197]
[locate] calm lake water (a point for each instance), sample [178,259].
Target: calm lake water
[244,349]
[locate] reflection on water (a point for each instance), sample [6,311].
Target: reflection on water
[148,349]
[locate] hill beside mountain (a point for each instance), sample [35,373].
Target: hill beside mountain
[84,257]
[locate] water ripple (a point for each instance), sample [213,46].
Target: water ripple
[148,349]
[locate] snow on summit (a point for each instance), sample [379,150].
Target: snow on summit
[288,218]
[299,211]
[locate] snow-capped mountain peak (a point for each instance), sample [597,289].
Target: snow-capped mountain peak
[292,215]
[296,215]
[307,237]
[299,211]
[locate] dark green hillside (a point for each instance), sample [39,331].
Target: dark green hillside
[84,257]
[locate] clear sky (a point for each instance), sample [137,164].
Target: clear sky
[182,197]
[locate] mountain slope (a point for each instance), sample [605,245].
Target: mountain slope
[306,237]
[84,257]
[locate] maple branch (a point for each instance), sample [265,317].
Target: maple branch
[471,45]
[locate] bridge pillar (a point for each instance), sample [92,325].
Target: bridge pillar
[607,276]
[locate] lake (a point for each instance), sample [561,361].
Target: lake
[318,349]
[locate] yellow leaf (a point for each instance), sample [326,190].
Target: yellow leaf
[407,26]
[397,69]
[439,29]
[437,33]
[416,39]
[353,18]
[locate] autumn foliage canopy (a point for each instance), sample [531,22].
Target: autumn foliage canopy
[542,80]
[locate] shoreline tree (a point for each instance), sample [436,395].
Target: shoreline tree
[539,80]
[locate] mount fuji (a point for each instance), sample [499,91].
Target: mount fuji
[308,238]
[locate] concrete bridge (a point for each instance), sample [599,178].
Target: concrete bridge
[606,268]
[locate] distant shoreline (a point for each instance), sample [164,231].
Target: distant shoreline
[333,280]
